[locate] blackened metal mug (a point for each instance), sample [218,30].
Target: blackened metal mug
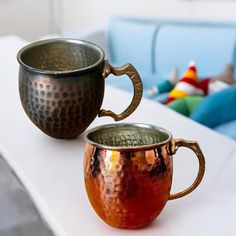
[128,172]
[61,85]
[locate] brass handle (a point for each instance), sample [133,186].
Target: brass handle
[193,145]
[129,70]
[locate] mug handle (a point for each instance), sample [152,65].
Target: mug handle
[194,146]
[129,70]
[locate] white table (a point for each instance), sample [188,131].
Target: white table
[53,173]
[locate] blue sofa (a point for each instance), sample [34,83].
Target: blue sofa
[155,47]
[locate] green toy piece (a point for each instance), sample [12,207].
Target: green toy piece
[186,105]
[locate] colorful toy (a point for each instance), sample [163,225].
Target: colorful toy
[187,105]
[227,76]
[222,81]
[166,85]
[188,85]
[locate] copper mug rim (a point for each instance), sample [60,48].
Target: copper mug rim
[30,46]
[148,127]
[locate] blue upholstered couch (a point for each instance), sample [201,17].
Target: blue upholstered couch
[155,47]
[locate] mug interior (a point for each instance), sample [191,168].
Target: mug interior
[57,55]
[127,136]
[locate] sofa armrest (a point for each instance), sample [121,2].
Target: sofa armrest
[217,108]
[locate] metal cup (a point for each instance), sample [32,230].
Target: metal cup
[61,85]
[128,172]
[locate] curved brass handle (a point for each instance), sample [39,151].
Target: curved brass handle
[197,150]
[129,70]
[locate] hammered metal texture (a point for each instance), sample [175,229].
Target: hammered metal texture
[128,172]
[128,189]
[61,107]
[60,56]
[63,104]
[127,136]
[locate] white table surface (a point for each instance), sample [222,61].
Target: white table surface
[52,169]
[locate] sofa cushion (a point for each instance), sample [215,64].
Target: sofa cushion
[217,108]
[131,42]
[228,129]
[210,46]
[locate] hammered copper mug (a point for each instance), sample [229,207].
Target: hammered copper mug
[61,85]
[128,172]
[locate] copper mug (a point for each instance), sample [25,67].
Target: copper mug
[128,172]
[61,85]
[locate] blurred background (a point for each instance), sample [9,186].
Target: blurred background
[32,19]
[156,49]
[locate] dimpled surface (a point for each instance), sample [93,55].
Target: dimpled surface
[62,106]
[128,135]
[61,85]
[60,56]
[128,189]
[127,138]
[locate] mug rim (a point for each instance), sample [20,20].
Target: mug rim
[119,148]
[55,40]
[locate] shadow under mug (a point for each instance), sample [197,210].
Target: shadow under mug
[128,172]
[61,85]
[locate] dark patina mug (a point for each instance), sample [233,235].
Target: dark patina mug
[128,172]
[61,85]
